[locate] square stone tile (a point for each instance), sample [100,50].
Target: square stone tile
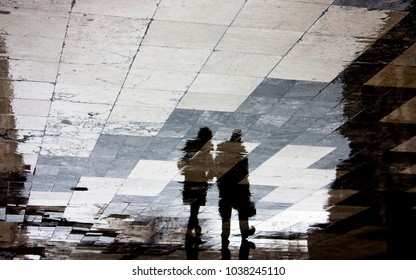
[22,70]
[33,48]
[281,15]
[49,198]
[149,98]
[183,35]
[32,90]
[403,114]
[42,23]
[236,63]
[106,29]
[101,53]
[205,11]
[171,59]
[224,84]
[123,8]
[159,80]
[211,101]
[72,144]
[31,107]
[308,69]
[92,75]
[356,22]
[258,40]
[99,94]
[408,146]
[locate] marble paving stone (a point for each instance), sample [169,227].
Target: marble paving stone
[148,178]
[123,8]
[183,35]
[69,144]
[281,15]
[103,28]
[32,90]
[224,84]
[105,53]
[57,5]
[91,75]
[99,94]
[205,11]
[362,23]
[159,80]
[307,69]
[44,24]
[258,40]
[31,107]
[70,117]
[33,48]
[32,123]
[171,59]
[22,70]
[235,63]
[49,198]
[211,101]
[144,97]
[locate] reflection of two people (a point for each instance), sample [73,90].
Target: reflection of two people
[230,167]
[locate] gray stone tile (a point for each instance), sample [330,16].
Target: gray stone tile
[304,90]
[257,105]
[316,109]
[273,88]
[121,167]
[286,107]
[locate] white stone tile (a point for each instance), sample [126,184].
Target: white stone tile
[171,59]
[49,198]
[356,22]
[100,190]
[282,15]
[89,52]
[142,187]
[120,8]
[258,40]
[149,178]
[23,70]
[183,35]
[33,48]
[152,98]
[155,170]
[30,122]
[308,69]
[31,107]
[211,101]
[225,84]
[132,128]
[77,117]
[236,63]
[32,90]
[201,11]
[298,156]
[93,75]
[159,80]
[30,23]
[47,5]
[325,47]
[140,113]
[98,94]
[89,213]
[69,144]
[106,29]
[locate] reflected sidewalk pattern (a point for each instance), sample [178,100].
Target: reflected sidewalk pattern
[207,129]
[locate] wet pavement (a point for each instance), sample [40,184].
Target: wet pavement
[215,129]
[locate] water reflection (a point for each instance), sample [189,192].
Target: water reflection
[197,168]
[231,166]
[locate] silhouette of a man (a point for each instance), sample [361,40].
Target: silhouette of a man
[234,192]
[196,166]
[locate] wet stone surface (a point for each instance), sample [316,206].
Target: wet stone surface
[101,158]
